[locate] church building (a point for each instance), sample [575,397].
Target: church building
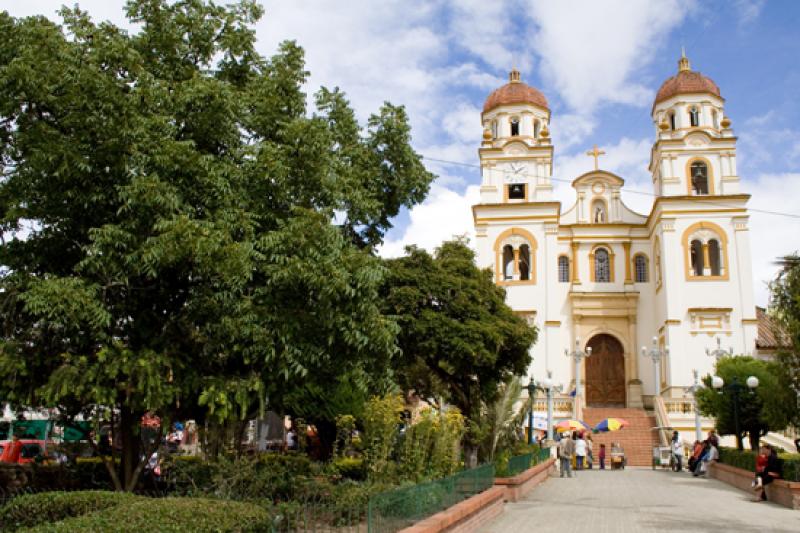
[596,274]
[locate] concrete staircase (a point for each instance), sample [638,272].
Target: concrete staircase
[637,439]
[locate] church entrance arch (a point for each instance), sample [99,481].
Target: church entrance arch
[605,372]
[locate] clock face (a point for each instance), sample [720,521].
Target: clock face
[514,173]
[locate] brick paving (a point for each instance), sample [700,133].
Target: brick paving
[640,500]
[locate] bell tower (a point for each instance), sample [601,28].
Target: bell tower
[695,149]
[516,152]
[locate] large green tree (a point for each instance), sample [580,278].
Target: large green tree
[769,407]
[170,202]
[785,309]
[459,339]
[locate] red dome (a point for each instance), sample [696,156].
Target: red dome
[515,92]
[686,81]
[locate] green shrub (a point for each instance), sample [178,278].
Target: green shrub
[168,515]
[273,476]
[349,467]
[746,460]
[44,507]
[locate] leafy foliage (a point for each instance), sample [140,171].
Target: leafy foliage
[170,202]
[769,407]
[47,507]
[168,515]
[785,309]
[459,339]
[746,460]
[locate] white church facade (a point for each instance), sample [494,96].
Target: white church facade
[598,273]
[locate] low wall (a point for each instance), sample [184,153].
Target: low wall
[786,493]
[464,516]
[519,486]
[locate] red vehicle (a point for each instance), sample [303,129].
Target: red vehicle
[31,449]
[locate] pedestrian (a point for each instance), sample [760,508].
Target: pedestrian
[580,452]
[566,449]
[602,457]
[697,451]
[698,466]
[589,451]
[677,452]
[712,438]
[771,472]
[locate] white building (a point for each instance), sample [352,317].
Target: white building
[614,279]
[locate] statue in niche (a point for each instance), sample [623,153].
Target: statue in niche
[599,213]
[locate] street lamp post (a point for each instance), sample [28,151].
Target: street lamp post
[696,386]
[549,388]
[735,387]
[531,392]
[656,354]
[578,355]
[718,352]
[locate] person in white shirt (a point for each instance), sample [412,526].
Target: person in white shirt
[580,452]
[677,452]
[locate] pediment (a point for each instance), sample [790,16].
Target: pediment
[608,179]
[515,148]
[697,139]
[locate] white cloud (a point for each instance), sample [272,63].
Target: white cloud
[569,129]
[748,10]
[772,236]
[445,214]
[483,28]
[592,50]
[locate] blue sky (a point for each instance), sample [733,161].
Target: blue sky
[599,63]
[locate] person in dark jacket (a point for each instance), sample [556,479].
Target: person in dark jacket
[771,472]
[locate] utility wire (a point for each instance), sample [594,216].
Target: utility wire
[632,191]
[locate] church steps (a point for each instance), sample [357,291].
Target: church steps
[637,439]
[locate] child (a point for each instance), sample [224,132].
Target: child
[602,457]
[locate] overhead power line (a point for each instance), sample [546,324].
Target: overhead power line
[632,191]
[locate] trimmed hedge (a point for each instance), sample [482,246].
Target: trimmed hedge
[45,507]
[168,515]
[746,460]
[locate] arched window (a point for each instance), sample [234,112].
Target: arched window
[698,172]
[515,252]
[714,257]
[563,269]
[706,248]
[508,262]
[514,126]
[698,263]
[640,268]
[694,117]
[536,126]
[599,215]
[494,129]
[602,266]
[524,262]
[715,119]
[672,120]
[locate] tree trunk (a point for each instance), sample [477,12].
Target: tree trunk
[754,438]
[470,455]
[130,447]
[326,431]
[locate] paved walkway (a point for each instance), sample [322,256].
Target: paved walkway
[637,500]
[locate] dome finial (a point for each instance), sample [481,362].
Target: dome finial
[513,76]
[683,62]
